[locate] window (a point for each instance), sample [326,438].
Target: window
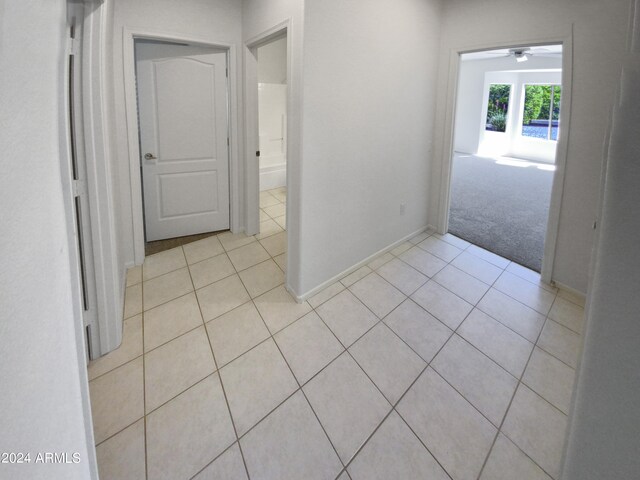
[541,116]
[498,107]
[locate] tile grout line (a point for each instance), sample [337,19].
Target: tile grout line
[217,456]
[272,337]
[219,370]
[213,373]
[191,329]
[206,322]
[224,392]
[348,288]
[300,387]
[407,391]
[380,320]
[374,384]
[393,406]
[563,325]
[506,413]
[454,333]
[141,283]
[144,385]
[155,409]
[546,316]
[346,350]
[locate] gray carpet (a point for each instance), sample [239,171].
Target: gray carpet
[501,208]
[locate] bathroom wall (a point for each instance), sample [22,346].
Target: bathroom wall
[272,113]
[272,62]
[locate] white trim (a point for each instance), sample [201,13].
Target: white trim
[444,198]
[353,268]
[97,154]
[252,164]
[572,291]
[74,263]
[553,224]
[129,34]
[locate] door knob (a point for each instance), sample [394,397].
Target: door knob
[150,156]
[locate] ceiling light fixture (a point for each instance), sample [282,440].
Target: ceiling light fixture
[520,56]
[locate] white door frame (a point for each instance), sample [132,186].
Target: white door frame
[444,198]
[133,132]
[252,140]
[108,283]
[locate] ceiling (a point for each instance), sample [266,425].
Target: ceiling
[538,51]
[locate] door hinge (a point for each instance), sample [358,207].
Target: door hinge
[78,188]
[72,46]
[228,144]
[258,153]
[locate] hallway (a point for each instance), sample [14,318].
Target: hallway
[436,360]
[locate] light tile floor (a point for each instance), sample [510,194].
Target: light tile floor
[437,360]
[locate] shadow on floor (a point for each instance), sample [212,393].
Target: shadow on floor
[161,245]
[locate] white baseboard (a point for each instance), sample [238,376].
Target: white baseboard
[580,296]
[348,271]
[434,229]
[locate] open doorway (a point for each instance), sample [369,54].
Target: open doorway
[272,139]
[183,113]
[507,125]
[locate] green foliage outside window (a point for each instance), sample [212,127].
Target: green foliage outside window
[498,121]
[498,107]
[537,99]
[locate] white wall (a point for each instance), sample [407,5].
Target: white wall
[44,393]
[272,111]
[470,114]
[272,62]
[605,421]
[272,101]
[598,41]
[213,20]
[369,99]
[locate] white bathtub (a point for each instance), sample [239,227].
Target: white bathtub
[273,172]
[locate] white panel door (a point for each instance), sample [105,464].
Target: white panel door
[182,105]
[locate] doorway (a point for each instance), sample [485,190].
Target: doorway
[272,102]
[507,126]
[272,134]
[183,110]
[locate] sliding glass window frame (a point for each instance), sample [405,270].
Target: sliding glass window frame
[554,107]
